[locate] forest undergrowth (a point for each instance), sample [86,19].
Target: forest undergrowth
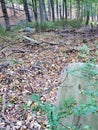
[28,67]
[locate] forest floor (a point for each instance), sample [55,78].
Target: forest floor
[28,68]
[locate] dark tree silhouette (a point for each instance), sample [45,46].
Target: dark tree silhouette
[26,10]
[5,14]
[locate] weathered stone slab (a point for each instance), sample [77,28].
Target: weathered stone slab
[79,80]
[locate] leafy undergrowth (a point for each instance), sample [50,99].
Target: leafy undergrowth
[28,68]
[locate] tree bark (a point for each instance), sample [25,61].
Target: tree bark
[88,17]
[34,4]
[78,9]
[65,3]
[57,9]
[46,16]
[13,9]
[70,9]
[26,11]
[41,6]
[49,10]
[52,7]
[5,14]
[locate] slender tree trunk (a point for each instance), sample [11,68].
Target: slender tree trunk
[26,11]
[5,14]
[60,12]
[13,8]
[84,11]
[34,3]
[41,6]
[70,9]
[87,18]
[63,8]
[52,7]
[78,9]
[92,15]
[97,13]
[46,17]
[65,3]
[57,9]
[49,10]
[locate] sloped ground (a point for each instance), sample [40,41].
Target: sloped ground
[26,69]
[20,15]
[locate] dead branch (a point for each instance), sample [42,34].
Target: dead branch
[51,43]
[31,40]
[20,51]
[35,67]
[36,42]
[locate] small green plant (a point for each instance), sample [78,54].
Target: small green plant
[83,52]
[50,111]
[45,109]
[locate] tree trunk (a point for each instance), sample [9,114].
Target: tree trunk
[78,9]
[63,8]
[46,17]
[70,9]
[34,3]
[65,3]
[60,12]
[92,14]
[57,9]
[26,11]
[49,10]
[5,14]
[52,7]
[14,13]
[41,6]
[88,17]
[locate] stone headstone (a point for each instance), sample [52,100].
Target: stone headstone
[76,80]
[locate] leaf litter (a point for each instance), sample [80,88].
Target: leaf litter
[26,69]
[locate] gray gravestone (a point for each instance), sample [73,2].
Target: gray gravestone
[76,80]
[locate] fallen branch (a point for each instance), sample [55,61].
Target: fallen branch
[20,51]
[31,40]
[35,67]
[51,43]
[36,42]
